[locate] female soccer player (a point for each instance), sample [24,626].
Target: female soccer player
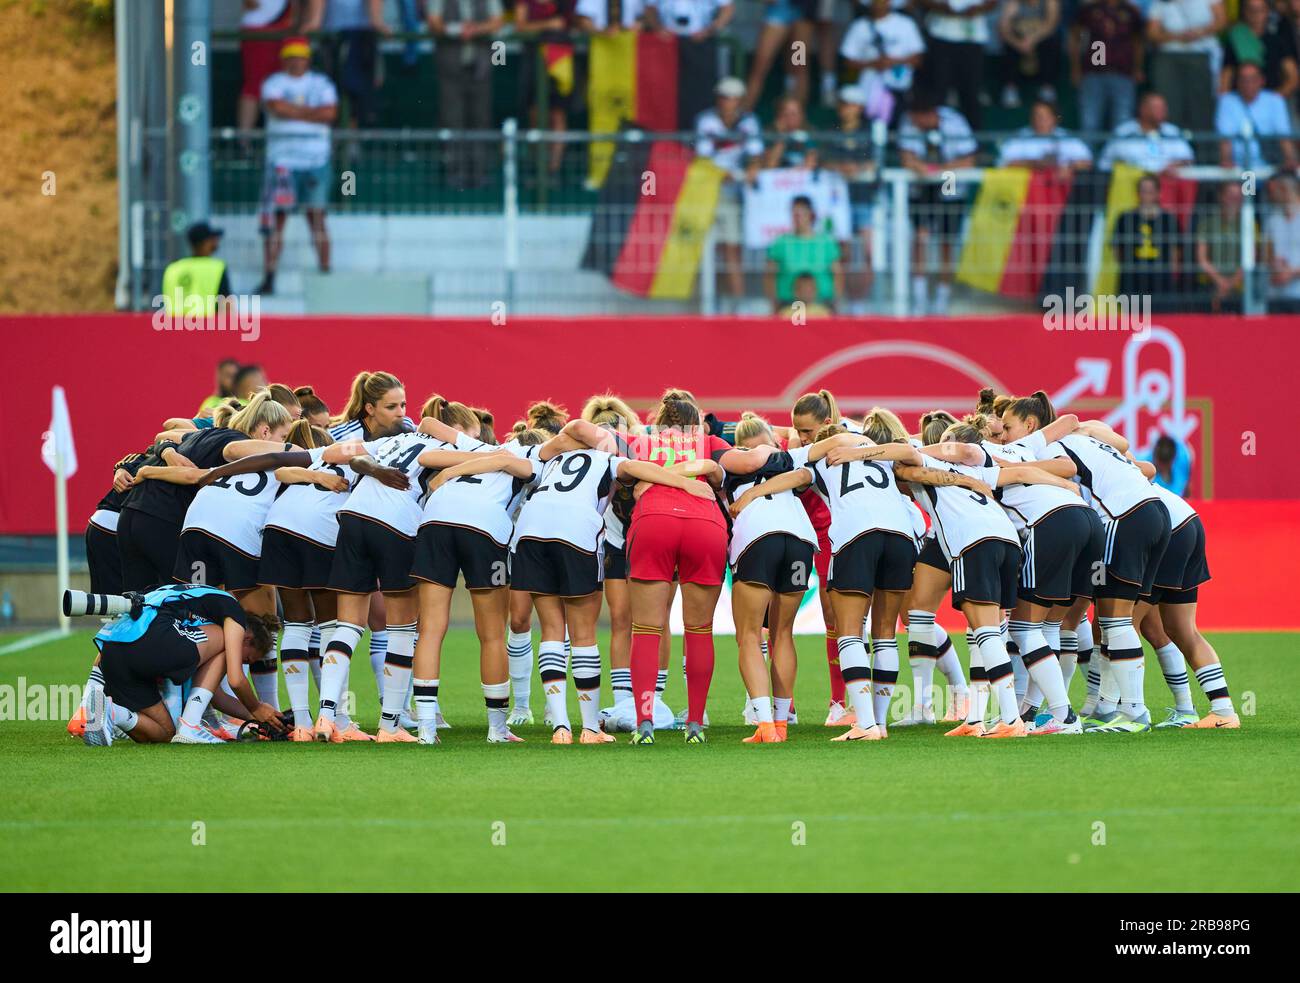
[374,551]
[810,413]
[1062,540]
[154,511]
[984,552]
[465,531]
[771,555]
[185,632]
[555,556]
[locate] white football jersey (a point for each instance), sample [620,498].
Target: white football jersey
[568,499]
[234,509]
[782,512]
[862,497]
[961,518]
[1028,505]
[1116,483]
[311,511]
[484,502]
[400,510]
[1179,511]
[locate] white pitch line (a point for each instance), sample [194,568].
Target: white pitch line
[31,641]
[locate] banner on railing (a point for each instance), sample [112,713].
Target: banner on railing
[1216,385]
[768,200]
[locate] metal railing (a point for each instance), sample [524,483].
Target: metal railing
[505,217]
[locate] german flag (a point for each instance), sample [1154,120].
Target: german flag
[1012,229]
[654,214]
[1177,195]
[647,81]
[558,58]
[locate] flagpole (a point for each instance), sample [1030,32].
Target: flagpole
[61,519]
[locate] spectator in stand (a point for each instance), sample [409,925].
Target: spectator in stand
[194,284]
[593,15]
[885,48]
[1147,246]
[1106,62]
[851,154]
[792,146]
[301,107]
[546,25]
[1173,463]
[248,380]
[1185,65]
[225,387]
[696,24]
[1218,251]
[1282,235]
[803,251]
[1247,119]
[463,30]
[958,34]
[1044,144]
[1289,24]
[826,31]
[933,139]
[730,138]
[1149,141]
[1031,55]
[1263,38]
[785,28]
[697,20]
[805,303]
[351,55]
[260,57]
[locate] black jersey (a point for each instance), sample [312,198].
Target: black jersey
[168,501]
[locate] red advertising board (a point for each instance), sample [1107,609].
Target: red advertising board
[1220,384]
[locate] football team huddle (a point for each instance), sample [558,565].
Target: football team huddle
[272,535]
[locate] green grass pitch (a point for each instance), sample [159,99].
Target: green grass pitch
[1167,811]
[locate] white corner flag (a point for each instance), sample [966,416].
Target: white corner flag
[57,441]
[60,456]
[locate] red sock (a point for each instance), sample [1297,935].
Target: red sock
[699,670]
[833,660]
[645,669]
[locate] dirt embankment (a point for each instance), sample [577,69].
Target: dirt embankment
[58,252]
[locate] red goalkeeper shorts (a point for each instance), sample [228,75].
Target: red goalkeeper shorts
[660,545]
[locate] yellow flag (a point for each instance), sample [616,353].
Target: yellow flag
[1121,196]
[992,229]
[611,94]
[679,262]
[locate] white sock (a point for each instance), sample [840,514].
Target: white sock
[1069,655]
[496,698]
[1128,662]
[551,667]
[94,681]
[922,656]
[334,667]
[781,708]
[378,653]
[621,682]
[997,669]
[1042,667]
[1215,687]
[1174,667]
[519,652]
[761,709]
[586,683]
[426,702]
[313,649]
[171,697]
[121,716]
[884,675]
[399,645]
[196,706]
[293,659]
[857,678]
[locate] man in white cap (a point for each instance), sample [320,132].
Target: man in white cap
[729,137]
